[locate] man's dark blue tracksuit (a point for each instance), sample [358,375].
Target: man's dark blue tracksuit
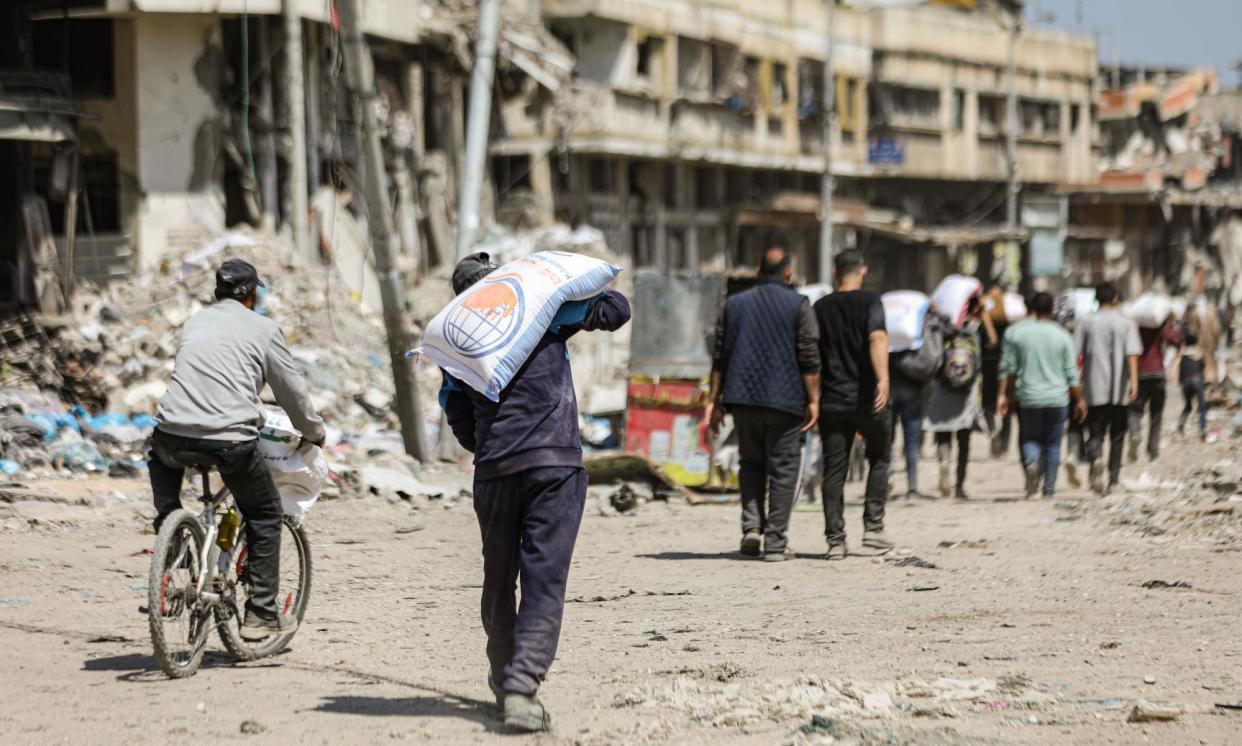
[529,491]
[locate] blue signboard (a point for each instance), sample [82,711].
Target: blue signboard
[886,151]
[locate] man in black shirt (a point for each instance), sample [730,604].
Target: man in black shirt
[853,350]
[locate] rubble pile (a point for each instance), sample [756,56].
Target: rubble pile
[115,354]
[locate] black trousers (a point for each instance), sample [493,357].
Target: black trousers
[838,430]
[770,445]
[1151,396]
[944,448]
[247,477]
[1111,420]
[529,523]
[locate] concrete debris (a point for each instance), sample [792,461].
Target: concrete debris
[1146,712]
[115,351]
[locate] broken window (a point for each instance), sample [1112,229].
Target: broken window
[725,67]
[694,66]
[991,115]
[959,109]
[706,187]
[650,51]
[1039,118]
[511,172]
[600,176]
[780,88]
[810,88]
[904,106]
[88,53]
[99,184]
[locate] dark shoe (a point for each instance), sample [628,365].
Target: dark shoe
[497,691]
[877,540]
[256,629]
[525,714]
[837,551]
[960,493]
[752,544]
[1110,489]
[781,556]
[912,494]
[1032,480]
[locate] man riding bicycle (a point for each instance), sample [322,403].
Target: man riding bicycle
[211,417]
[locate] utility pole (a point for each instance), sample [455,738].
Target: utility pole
[361,81]
[1011,130]
[296,210]
[830,128]
[479,119]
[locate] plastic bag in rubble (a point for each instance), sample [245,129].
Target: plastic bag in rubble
[299,475]
[485,334]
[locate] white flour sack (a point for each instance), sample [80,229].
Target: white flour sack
[904,312]
[485,334]
[953,296]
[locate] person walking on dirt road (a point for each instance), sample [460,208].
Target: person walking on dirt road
[211,416]
[1108,344]
[1152,390]
[765,371]
[1039,369]
[529,493]
[853,349]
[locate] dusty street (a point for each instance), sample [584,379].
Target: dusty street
[1033,626]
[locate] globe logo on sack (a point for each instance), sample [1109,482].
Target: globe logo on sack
[487,318]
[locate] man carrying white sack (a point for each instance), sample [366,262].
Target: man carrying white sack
[529,493]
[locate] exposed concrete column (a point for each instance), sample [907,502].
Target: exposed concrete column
[416,108]
[970,130]
[541,184]
[621,185]
[268,189]
[313,119]
[296,209]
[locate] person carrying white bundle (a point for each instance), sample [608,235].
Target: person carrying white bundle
[488,331]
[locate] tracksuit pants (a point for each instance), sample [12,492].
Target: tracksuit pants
[529,522]
[1110,420]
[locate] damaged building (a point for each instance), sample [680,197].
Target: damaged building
[693,135]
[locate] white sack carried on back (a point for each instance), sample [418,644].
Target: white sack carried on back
[904,312]
[1015,307]
[953,294]
[485,334]
[1149,310]
[300,473]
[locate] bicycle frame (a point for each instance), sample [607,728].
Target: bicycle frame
[210,559]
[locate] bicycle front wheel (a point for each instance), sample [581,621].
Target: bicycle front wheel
[180,621]
[291,598]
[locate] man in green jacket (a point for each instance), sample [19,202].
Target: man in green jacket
[1039,370]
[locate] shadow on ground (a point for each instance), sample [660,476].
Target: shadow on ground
[440,706]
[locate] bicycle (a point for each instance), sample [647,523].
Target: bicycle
[199,574]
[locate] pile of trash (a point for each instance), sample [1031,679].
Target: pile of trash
[112,357]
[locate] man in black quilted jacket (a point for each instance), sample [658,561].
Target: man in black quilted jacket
[765,372]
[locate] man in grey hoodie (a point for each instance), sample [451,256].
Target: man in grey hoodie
[211,416]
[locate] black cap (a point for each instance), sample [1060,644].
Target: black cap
[236,279]
[470,270]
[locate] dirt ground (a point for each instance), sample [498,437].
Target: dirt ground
[1033,626]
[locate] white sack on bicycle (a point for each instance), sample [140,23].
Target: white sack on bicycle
[485,334]
[300,472]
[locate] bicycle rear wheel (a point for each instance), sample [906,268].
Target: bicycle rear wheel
[179,620]
[291,598]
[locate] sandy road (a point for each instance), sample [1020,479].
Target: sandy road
[671,638]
